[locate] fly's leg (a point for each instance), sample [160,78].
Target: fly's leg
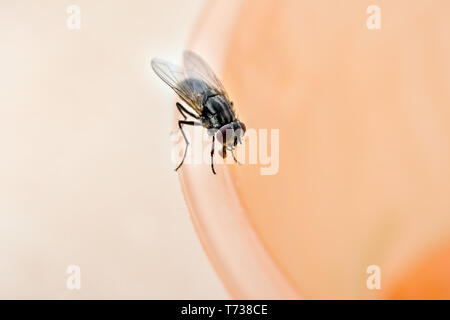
[232,151]
[212,155]
[224,151]
[184,111]
[234,157]
[180,125]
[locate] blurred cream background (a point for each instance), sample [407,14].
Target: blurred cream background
[85,170]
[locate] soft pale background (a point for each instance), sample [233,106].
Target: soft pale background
[86,176]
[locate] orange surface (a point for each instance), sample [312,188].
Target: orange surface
[364,125]
[426,279]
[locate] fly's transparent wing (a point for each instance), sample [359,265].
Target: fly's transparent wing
[176,78]
[196,67]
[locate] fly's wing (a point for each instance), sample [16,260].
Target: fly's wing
[196,67]
[176,78]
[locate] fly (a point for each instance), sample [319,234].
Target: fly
[208,102]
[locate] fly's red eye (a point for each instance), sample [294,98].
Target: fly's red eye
[243,127]
[225,134]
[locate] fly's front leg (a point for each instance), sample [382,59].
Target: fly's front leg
[212,155]
[180,125]
[234,157]
[185,111]
[224,151]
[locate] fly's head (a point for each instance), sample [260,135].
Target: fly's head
[231,134]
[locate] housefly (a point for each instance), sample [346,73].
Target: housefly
[208,104]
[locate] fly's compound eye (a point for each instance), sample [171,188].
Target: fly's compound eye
[225,134]
[240,131]
[242,125]
[231,133]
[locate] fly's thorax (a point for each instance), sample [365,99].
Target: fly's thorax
[218,111]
